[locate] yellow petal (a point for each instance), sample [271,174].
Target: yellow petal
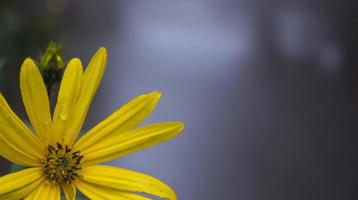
[66,100]
[98,192]
[90,82]
[34,96]
[126,180]
[17,142]
[69,191]
[19,184]
[46,191]
[125,118]
[130,141]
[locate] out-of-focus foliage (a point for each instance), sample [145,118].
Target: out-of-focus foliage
[25,30]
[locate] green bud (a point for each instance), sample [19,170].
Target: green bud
[52,65]
[52,59]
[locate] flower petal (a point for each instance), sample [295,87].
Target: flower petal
[46,191]
[69,191]
[98,192]
[34,96]
[126,181]
[130,141]
[17,142]
[66,100]
[19,184]
[90,82]
[125,118]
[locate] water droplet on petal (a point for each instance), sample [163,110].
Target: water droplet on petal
[64,112]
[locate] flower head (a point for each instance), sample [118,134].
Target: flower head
[56,160]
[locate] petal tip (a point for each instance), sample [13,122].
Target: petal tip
[178,126]
[27,67]
[28,62]
[181,126]
[155,94]
[102,50]
[76,61]
[28,59]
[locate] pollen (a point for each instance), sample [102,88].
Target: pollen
[61,165]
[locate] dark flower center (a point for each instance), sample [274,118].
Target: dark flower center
[61,164]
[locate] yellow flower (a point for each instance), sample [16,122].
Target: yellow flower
[56,161]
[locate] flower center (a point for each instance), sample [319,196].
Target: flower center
[61,164]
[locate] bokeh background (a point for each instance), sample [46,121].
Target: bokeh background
[268,89]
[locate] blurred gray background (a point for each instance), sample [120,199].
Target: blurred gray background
[268,89]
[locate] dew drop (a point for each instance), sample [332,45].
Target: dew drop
[64,112]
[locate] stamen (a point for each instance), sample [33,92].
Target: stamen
[61,164]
